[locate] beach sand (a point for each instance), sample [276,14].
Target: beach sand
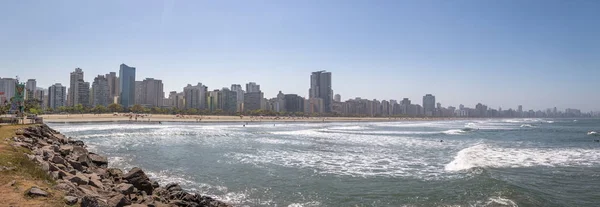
[69,118]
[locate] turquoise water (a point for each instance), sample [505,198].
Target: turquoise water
[511,162]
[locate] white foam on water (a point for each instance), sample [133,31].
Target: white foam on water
[550,122]
[349,128]
[454,132]
[526,126]
[483,155]
[306,204]
[495,201]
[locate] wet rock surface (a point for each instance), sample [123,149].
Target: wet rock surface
[86,179]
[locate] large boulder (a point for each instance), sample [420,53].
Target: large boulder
[58,160]
[98,160]
[78,151]
[65,150]
[79,178]
[138,179]
[124,188]
[119,200]
[76,165]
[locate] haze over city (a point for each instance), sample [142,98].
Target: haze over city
[539,54]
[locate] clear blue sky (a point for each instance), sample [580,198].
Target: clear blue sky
[539,54]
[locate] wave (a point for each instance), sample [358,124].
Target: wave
[306,204]
[526,126]
[593,133]
[483,155]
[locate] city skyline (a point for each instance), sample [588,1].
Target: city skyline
[150,93]
[466,52]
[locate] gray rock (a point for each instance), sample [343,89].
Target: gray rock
[34,191]
[98,160]
[138,179]
[79,178]
[78,151]
[75,165]
[65,150]
[90,201]
[124,188]
[84,160]
[119,200]
[96,183]
[58,160]
[55,175]
[114,173]
[70,200]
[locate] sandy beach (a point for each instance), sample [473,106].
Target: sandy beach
[70,118]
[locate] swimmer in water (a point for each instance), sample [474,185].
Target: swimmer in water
[441,140]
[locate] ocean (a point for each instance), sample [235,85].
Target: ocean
[495,162]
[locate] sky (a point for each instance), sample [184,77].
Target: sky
[535,53]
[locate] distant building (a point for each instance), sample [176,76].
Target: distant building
[429,105]
[7,89]
[30,88]
[138,93]
[240,97]
[253,101]
[57,96]
[320,87]
[337,98]
[195,96]
[78,92]
[293,103]
[228,101]
[101,92]
[151,92]
[113,84]
[176,100]
[252,87]
[126,85]
[315,105]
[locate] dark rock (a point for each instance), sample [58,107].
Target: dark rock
[58,160]
[178,203]
[124,188]
[90,201]
[70,200]
[138,179]
[96,183]
[78,143]
[79,178]
[76,165]
[68,188]
[34,191]
[119,200]
[89,190]
[173,187]
[155,184]
[98,160]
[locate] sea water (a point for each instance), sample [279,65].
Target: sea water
[496,162]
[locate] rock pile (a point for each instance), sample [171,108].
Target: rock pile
[86,179]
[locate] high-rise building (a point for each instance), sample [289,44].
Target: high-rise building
[30,88]
[176,100]
[294,103]
[252,87]
[320,87]
[41,94]
[151,92]
[138,92]
[240,96]
[429,105]
[7,89]
[337,98]
[253,101]
[101,91]
[57,96]
[83,93]
[126,85]
[195,96]
[76,80]
[113,84]
[228,101]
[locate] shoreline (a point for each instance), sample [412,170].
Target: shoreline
[155,118]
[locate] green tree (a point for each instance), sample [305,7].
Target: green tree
[191,111]
[114,107]
[155,110]
[137,108]
[79,108]
[99,109]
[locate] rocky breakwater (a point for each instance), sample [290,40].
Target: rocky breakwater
[86,179]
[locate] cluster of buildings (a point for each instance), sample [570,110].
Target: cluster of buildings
[126,90]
